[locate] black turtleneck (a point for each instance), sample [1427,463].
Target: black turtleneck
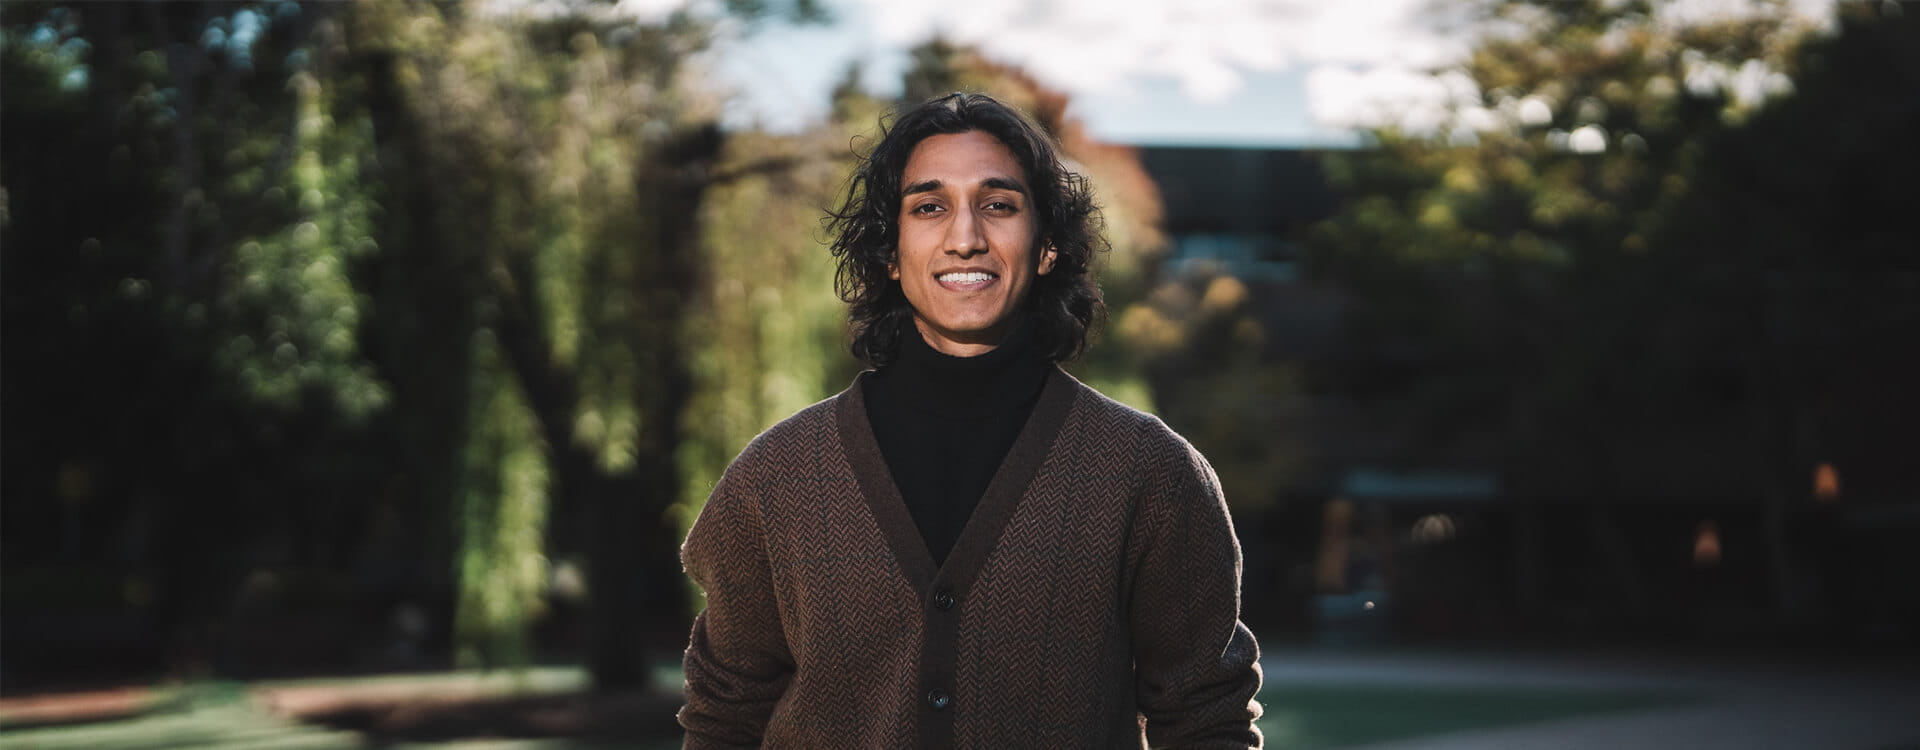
[945,423]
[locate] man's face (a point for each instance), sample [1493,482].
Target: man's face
[967,233]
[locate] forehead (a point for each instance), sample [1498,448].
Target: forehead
[961,158]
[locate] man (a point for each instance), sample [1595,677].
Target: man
[968,548]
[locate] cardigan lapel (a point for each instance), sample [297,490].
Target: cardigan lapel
[996,507]
[876,484]
[1009,485]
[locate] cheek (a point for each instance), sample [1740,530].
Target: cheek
[902,254]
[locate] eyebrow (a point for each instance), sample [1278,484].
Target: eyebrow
[998,183]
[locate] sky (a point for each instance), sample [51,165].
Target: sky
[1199,71]
[1160,72]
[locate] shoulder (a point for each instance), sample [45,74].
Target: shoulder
[1099,415]
[1163,460]
[797,440]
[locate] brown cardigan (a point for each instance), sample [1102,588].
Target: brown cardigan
[1091,602]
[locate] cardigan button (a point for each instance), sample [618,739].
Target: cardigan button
[939,700]
[943,600]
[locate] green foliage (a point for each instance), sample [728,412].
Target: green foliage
[294,307]
[1199,344]
[268,287]
[1666,264]
[503,520]
[769,336]
[1793,257]
[541,127]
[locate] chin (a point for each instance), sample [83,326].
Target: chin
[973,331]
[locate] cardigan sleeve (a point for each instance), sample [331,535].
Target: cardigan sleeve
[1196,666]
[737,661]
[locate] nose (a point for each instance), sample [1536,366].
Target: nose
[964,237]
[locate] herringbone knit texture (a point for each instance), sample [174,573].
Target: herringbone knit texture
[1095,591]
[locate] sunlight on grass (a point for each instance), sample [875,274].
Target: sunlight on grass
[223,715]
[530,679]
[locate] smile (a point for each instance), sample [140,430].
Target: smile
[966,281]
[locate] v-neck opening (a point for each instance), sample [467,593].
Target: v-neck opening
[990,516]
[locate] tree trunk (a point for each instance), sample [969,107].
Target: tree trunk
[423,347]
[640,598]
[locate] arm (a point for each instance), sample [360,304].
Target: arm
[1196,667]
[737,662]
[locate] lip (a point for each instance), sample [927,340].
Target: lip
[974,286]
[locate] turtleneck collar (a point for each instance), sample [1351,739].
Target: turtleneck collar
[1005,379]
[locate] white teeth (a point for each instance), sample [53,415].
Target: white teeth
[965,278]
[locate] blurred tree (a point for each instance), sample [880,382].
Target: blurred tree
[413,261]
[1199,342]
[768,335]
[184,202]
[1505,251]
[577,160]
[1543,255]
[567,156]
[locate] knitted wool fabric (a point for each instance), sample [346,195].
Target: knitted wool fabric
[1092,600]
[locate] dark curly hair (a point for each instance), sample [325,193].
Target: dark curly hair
[1062,305]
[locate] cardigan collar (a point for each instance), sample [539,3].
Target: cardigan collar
[982,531]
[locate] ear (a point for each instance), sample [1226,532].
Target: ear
[893,271]
[1046,260]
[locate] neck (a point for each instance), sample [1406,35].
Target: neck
[987,340]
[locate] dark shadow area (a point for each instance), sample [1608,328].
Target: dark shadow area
[1346,715]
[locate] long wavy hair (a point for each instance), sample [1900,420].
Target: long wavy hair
[1061,306]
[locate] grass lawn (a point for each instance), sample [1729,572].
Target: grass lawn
[1316,716]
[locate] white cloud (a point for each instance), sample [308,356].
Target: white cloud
[1813,14]
[1388,54]
[1378,32]
[1348,97]
[1086,46]
[650,10]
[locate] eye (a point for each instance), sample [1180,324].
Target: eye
[1002,206]
[925,208]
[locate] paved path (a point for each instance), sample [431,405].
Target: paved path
[1746,703]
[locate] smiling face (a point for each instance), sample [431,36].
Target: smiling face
[966,257]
